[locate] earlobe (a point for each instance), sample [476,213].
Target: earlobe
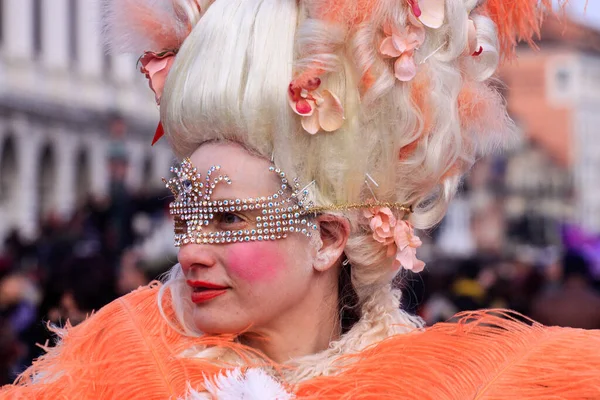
[334,231]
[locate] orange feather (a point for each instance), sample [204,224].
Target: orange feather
[486,355]
[124,351]
[346,12]
[128,351]
[517,20]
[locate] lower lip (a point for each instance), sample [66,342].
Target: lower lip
[206,295]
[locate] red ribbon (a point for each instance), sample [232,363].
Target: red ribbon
[158,134]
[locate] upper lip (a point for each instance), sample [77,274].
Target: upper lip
[205,285]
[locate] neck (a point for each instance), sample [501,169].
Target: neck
[306,329]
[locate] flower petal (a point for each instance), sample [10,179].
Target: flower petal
[415,241]
[385,239]
[385,230]
[401,41]
[331,112]
[402,235]
[304,107]
[150,56]
[406,258]
[387,48]
[433,13]
[414,5]
[297,103]
[416,37]
[375,222]
[405,68]
[156,70]
[310,123]
[294,93]
[313,84]
[418,266]
[389,215]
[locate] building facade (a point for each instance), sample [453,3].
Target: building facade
[60,94]
[551,175]
[554,94]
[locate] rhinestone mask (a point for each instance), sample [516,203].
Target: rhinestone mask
[197,216]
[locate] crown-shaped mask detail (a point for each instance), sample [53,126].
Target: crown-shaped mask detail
[196,213]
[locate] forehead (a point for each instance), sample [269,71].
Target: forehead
[249,174]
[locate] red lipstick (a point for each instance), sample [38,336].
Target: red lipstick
[204,285]
[205,291]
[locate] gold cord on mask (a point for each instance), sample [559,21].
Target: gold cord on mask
[357,206]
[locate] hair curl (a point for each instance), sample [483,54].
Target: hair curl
[229,83]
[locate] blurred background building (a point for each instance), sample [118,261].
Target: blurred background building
[67,110]
[555,94]
[524,232]
[83,211]
[550,176]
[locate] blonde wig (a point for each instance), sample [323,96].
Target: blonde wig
[413,139]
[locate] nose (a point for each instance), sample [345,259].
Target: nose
[196,256]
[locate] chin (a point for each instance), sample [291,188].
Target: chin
[216,324]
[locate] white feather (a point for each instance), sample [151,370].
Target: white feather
[195,395]
[135,26]
[255,384]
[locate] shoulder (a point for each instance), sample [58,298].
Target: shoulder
[488,354]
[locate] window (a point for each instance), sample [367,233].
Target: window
[37,27]
[1,21]
[46,181]
[148,182]
[83,177]
[107,61]
[563,79]
[107,65]
[8,170]
[73,34]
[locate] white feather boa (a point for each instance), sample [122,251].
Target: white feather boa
[254,384]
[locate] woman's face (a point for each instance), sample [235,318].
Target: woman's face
[247,285]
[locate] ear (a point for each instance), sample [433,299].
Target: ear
[334,231]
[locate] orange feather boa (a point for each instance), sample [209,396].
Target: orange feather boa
[128,351]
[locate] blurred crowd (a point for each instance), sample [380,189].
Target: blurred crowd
[111,246]
[562,291]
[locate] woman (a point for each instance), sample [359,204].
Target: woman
[315,137]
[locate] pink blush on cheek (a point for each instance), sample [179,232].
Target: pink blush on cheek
[255,261]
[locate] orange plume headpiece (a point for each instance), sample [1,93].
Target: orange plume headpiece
[516,21]
[157,28]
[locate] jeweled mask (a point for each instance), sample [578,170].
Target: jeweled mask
[197,215]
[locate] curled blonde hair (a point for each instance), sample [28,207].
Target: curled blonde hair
[415,139]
